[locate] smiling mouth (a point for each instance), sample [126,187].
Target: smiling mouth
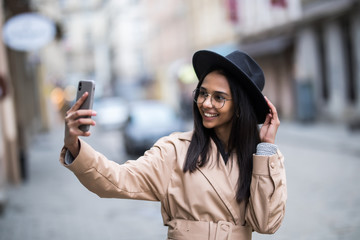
[211,114]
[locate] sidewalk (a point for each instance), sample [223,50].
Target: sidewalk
[324,136]
[54,205]
[322,164]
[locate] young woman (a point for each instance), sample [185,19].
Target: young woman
[223,180]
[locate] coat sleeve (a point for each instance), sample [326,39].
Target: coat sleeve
[146,178]
[268,194]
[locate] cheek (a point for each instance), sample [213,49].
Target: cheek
[229,110]
[229,114]
[199,107]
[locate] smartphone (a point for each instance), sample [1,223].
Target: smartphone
[86,86]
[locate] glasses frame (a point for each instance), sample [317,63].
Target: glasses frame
[196,96]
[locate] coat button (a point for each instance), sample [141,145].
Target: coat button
[225,227]
[272,165]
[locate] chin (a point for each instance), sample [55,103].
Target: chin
[208,125]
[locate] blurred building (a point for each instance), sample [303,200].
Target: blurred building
[176,29]
[102,40]
[128,39]
[264,30]
[83,50]
[10,164]
[310,53]
[308,48]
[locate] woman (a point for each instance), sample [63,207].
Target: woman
[210,182]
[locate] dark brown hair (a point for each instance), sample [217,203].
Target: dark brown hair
[243,139]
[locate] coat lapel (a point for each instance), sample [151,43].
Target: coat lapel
[219,178]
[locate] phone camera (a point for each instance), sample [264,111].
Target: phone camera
[80,86]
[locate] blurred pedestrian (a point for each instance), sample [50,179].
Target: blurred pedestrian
[223,180]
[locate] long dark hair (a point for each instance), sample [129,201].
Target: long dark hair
[243,138]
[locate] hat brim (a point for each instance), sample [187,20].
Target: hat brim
[204,61]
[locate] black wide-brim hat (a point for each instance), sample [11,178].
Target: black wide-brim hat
[242,67]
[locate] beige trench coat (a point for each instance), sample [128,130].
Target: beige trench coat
[199,205]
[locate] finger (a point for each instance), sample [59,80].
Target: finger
[74,127]
[76,132]
[267,119]
[85,121]
[80,114]
[73,124]
[83,134]
[272,108]
[79,102]
[85,113]
[86,134]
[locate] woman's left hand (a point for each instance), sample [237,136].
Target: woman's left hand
[271,125]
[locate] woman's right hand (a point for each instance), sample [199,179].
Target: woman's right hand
[74,118]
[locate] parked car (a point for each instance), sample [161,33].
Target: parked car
[112,112]
[148,121]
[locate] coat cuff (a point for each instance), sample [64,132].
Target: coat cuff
[82,162]
[268,165]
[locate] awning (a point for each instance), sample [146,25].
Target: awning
[267,46]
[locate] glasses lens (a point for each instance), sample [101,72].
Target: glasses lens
[218,100]
[200,96]
[217,104]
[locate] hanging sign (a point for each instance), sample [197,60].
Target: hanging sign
[28,31]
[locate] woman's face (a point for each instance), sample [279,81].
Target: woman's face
[217,118]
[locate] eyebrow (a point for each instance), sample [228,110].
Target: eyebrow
[218,92]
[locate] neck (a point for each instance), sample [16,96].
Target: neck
[223,136]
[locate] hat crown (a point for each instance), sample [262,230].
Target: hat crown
[249,67]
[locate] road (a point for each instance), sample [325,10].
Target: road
[322,165]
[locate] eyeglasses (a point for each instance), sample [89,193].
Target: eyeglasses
[200,96]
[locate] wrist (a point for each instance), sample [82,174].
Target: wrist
[268,139]
[74,148]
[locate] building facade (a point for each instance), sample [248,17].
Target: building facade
[310,55]
[10,169]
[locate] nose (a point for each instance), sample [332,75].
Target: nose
[207,103]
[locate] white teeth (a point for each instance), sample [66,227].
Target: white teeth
[210,115]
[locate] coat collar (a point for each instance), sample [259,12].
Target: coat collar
[185,135]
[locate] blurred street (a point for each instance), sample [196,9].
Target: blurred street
[322,163]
